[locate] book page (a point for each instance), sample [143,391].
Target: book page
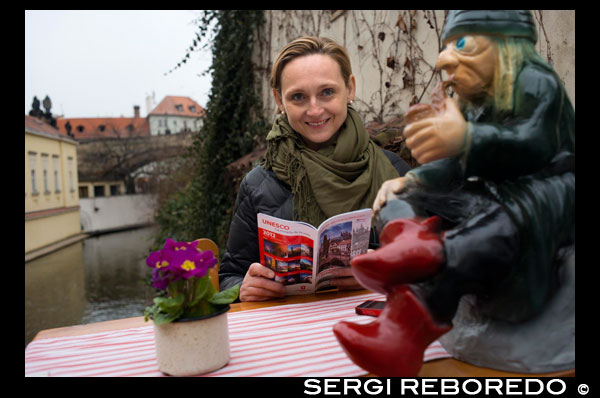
[341,238]
[288,248]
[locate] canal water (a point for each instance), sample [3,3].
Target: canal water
[98,279]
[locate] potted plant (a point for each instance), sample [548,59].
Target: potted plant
[190,316]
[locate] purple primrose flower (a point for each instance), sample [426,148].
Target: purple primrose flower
[179,260]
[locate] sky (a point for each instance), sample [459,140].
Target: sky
[102,63]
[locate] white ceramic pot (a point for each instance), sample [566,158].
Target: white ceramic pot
[188,347]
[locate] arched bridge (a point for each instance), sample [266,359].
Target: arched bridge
[114,158]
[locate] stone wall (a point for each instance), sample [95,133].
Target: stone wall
[105,214]
[393,52]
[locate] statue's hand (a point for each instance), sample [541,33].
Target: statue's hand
[388,190]
[439,136]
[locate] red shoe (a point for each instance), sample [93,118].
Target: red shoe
[393,345]
[412,250]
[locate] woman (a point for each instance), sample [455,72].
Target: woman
[320,161]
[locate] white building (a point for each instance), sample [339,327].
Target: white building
[174,115]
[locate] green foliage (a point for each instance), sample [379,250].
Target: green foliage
[165,309]
[233,125]
[201,299]
[226,296]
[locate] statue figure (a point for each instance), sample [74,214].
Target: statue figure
[68,127]
[35,108]
[478,242]
[47,104]
[48,115]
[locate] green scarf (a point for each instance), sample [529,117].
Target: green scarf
[343,176]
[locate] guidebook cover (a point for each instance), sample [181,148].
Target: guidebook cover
[303,256]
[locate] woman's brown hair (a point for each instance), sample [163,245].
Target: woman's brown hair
[308,45]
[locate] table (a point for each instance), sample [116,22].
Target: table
[437,362]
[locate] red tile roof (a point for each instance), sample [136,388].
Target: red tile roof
[178,106]
[105,127]
[40,126]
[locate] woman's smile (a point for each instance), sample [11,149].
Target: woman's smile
[318,124]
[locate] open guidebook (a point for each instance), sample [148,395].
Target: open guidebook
[303,256]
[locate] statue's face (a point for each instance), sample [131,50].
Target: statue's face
[470,62]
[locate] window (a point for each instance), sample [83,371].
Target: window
[45,179]
[98,190]
[192,108]
[45,173]
[56,174]
[179,107]
[32,168]
[80,128]
[33,185]
[83,192]
[70,167]
[102,127]
[115,190]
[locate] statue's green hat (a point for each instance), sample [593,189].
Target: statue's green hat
[514,23]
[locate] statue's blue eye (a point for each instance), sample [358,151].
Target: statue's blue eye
[460,43]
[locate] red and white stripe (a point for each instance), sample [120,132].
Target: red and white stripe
[288,340]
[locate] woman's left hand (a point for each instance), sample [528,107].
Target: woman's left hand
[344,280]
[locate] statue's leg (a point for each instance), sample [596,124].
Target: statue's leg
[504,253]
[480,254]
[411,247]
[393,344]
[413,251]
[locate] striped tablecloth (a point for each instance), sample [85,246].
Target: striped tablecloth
[287,340]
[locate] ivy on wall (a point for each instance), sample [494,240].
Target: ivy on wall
[233,125]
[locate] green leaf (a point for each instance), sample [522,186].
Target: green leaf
[226,296]
[161,318]
[210,289]
[170,305]
[203,308]
[150,311]
[201,287]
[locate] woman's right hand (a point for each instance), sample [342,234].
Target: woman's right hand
[258,284]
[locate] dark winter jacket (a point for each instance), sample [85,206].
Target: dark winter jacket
[262,192]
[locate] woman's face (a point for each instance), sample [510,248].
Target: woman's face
[315,97]
[470,62]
